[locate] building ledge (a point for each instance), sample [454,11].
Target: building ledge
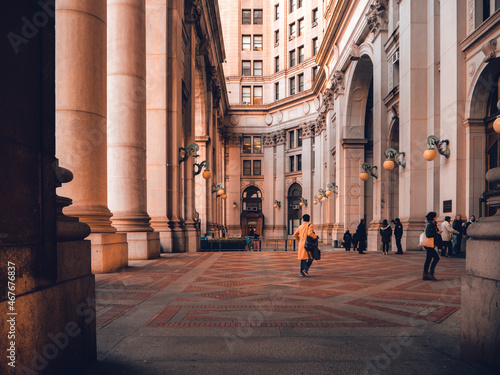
[486,27]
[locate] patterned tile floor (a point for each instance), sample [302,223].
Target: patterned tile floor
[263,289]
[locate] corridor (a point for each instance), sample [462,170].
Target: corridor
[251,313]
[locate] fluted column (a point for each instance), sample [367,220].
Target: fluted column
[81,124]
[127,195]
[281,192]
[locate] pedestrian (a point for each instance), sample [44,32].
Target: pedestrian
[386,233]
[398,234]
[304,230]
[447,232]
[472,220]
[431,231]
[361,236]
[457,238]
[347,240]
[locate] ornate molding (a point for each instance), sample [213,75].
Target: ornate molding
[214,85]
[355,53]
[377,16]
[307,130]
[337,82]
[233,139]
[489,50]
[269,140]
[192,11]
[280,137]
[320,125]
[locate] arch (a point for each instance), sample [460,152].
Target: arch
[480,88]
[252,219]
[294,210]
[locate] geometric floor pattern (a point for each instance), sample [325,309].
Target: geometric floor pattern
[263,289]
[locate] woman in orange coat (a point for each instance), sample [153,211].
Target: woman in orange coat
[304,230]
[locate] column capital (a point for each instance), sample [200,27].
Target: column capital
[233,140]
[337,85]
[269,140]
[308,129]
[192,11]
[377,16]
[473,124]
[280,137]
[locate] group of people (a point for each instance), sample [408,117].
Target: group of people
[447,238]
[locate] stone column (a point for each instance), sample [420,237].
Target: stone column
[413,121]
[476,164]
[232,187]
[308,185]
[480,337]
[156,118]
[270,196]
[127,194]
[81,125]
[281,188]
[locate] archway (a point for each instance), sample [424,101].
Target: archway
[294,207]
[252,219]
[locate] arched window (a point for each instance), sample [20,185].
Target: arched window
[252,199]
[492,138]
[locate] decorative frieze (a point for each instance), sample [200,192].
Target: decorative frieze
[377,16]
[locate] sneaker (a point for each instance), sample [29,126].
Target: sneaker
[305,272]
[426,276]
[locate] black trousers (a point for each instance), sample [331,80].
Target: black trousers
[446,245]
[385,247]
[398,245]
[305,264]
[433,256]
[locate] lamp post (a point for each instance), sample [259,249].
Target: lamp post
[398,157]
[197,169]
[434,143]
[185,153]
[366,167]
[303,202]
[277,203]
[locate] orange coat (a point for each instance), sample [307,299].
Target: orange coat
[300,235]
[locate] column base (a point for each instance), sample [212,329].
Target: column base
[109,251]
[411,235]
[172,240]
[143,245]
[374,239]
[338,233]
[192,239]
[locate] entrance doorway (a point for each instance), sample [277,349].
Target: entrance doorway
[294,208]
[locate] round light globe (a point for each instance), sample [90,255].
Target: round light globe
[363,176]
[224,196]
[328,193]
[315,203]
[430,154]
[496,125]
[319,196]
[301,203]
[220,191]
[388,164]
[206,174]
[275,205]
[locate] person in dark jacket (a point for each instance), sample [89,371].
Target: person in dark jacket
[361,236]
[431,231]
[398,234]
[457,238]
[386,233]
[347,240]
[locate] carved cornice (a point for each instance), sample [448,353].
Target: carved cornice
[377,16]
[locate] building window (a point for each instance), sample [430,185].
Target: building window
[291,139]
[315,46]
[299,138]
[314,72]
[257,167]
[246,17]
[277,91]
[257,17]
[257,68]
[292,58]
[276,64]
[257,95]
[301,82]
[315,17]
[300,3]
[257,42]
[292,86]
[292,30]
[292,163]
[301,26]
[245,95]
[246,42]
[276,38]
[257,145]
[247,145]
[293,4]
[301,54]
[299,162]
[247,167]
[246,68]
[276,11]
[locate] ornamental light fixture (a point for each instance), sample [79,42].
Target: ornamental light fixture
[434,143]
[496,123]
[185,153]
[218,188]
[277,203]
[321,194]
[368,168]
[234,204]
[394,157]
[197,169]
[330,189]
[303,202]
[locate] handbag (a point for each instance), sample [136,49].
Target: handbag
[311,247]
[426,241]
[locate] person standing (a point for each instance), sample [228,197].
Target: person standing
[386,233]
[457,238]
[447,232]
[431,231]
[347,240]
[472,220]
[361,236]
[304,230]
[398,234]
